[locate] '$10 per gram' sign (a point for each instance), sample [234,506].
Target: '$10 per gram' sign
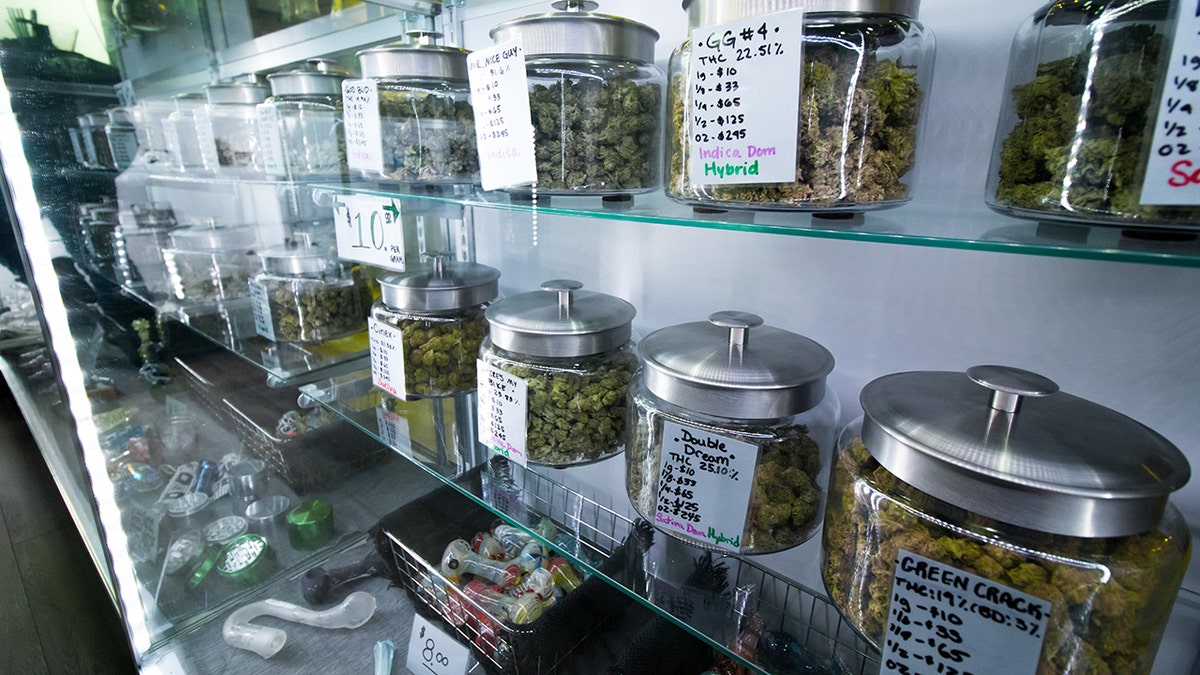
[369,231]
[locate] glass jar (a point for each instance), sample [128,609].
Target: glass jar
[151,118]
[1076,128]
[307,104]
[179,132]
[436,319]
[731,433]
[865,76]
[230,122]
[426,120]
[121,137]
[304,294]
[100,228]
[595,97]
[95,141]
[1022,517]
[574,352]
[210,263]
[140,248]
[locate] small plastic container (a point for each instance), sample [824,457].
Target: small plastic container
[140,248]
[732,430]
[304,294]
[307,105]
[121,137]
[865,76]
[436,318]
[596,100]
[95,141]
[425,115]
[179,132]
[208,264]
[150,120]
[101,228]
[228,129]
[573,349]
[1017,515]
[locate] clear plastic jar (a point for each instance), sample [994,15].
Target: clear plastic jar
[100,228]
[596,100]
[867,68]
[1019,493]
[121,137]
[437,321]
[150,120]
[425,115]
[140,248]
[307,103]
[573,350]
[1078,121]
[210,263]
[230,122]
[179,132]
[746,463]
[306,295]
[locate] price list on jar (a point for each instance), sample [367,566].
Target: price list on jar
[502,412]
[503,126]
[945,621]
[704,485]
[387,357]
[361,125]
[1173,164]
[744,100]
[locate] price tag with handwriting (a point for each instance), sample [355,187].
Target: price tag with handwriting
[944,621]
[369,230]
[361,126]
[270,138]
[123,146]
[704,485]
[503,126]
[744,100]
[432,652]
[393,430]
[1173,165]
[206,138]
[387,357]
[502,411]
[260,304]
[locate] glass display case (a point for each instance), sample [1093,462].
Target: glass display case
[264,505]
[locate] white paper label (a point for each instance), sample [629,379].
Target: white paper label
[743,112]
[387,357]
[124,146]
[704,485]
[943,620]
[368,230]
[261,304]
[393,430]
[171,136]
[503,126]
[270,140]
[364,134]
[502,411]
[206,138]
[432,652]
[76,145]
[1173,165]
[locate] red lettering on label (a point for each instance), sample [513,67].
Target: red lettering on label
[1182,177]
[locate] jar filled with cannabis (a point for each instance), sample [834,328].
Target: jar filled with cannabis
[731,433]
[120,135]
[179,132]
[432,321]
[95,142]
[1074,138]
[227,129]
[574,352]
[595,97]
[865,70]
[305,294]
[991,514]
[209,263]
[425,115]
[305,109]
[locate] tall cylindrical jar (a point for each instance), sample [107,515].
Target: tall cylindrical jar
[434,317]
[228,127]
[1006,521]
[305,294]
[573,351]
[595,97]
[425,113]
[866,68]
[306,108]
[1073,142]
[730,433]
[179,132]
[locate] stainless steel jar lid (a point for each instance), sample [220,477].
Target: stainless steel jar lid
[735,367]
[319,77]
[213,239]
[421,58]
[560,321]
[188,102]
[712,12]
[440,286]
[1007,444]
[237,93]
[291,261]
[576,31]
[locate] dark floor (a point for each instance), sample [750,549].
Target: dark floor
[55,614]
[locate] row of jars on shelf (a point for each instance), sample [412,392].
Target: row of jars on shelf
[1070,143]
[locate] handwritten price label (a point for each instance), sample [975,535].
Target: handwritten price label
[369,231]
[432,652]
[260,303]
[393,430]
[387,357]
[503,126]
[501,411]
[270,139]
[1173,165]
[742,114]
[361,126]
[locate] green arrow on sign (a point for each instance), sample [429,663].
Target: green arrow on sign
[393,209]
[337,202]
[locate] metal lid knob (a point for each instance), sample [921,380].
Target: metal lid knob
[1008,385]
[575,5]
[738,323]
[572,322]
[419,36]
[565,289]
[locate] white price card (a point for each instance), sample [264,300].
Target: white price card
[393,430]
[503,126]
[502,411]
[206,138]
[368,230]
[744,100]
[260,303]
[387,357]
[431,651]
[1173,164]
[361,125]
[124,147]
[944,620]
[270,139]
[704,484]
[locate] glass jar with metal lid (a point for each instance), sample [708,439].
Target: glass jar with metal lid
[179,132]
[1074,137]
[731,433]
[436,319]
[95,141]
[595,97]
[574,351]
[228,128]
[308,105]
[1036,521]
[866,68]
[121,137]
[210,263]
[425,115]
[304,294]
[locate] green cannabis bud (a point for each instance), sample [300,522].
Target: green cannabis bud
[427,137]
[317,310]
[439,351]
